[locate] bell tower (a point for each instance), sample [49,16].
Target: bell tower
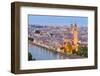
[74,31]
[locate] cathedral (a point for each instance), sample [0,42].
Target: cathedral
[70,45]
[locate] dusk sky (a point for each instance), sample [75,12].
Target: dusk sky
[57,20]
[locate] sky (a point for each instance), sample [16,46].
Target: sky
[57,20]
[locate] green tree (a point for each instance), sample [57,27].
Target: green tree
[82,51]
[29,56]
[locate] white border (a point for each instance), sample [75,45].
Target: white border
[25,64]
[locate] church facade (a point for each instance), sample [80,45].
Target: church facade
[70,45]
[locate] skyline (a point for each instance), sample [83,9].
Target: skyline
[57,20]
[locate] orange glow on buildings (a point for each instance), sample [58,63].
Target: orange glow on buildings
[71,45]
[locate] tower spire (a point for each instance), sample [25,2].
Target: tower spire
[75,34]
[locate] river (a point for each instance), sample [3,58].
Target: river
[39,53]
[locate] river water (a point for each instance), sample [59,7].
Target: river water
[39,53]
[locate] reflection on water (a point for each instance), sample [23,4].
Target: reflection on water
[39,53]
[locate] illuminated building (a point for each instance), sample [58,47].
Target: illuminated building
[70,45]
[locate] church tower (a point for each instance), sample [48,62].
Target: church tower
[74,31]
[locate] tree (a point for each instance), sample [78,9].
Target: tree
[29,56]
[82,51]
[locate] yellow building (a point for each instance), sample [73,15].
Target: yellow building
[71,45]
[75,37]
